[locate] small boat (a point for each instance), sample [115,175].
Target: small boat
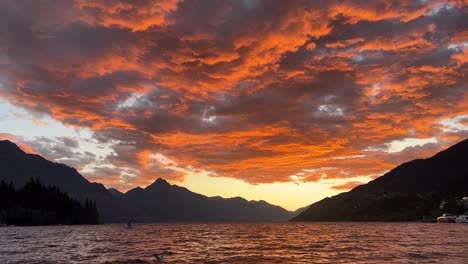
[3,215]
[462,218]
[129,224]
[446,218]
[160,257]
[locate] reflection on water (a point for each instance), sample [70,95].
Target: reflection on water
[238,243]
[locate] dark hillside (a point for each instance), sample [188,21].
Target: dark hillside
[415,190]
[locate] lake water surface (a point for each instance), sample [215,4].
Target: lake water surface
[238,243]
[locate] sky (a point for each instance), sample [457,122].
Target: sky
[283,101]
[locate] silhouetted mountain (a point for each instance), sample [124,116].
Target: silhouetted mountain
[411,191]
[163,202]
[159,201]
[300,210]
[116,193]
[18,167]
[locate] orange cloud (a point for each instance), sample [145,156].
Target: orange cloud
[138,15]
[347,186]
[259,91]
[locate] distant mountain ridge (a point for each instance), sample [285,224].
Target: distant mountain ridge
[411,191]
[159,201]
[167,203]
[116,193]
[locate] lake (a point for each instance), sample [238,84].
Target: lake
[238,243]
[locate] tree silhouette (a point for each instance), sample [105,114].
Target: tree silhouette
[36,204]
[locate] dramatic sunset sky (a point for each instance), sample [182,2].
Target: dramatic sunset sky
[285,101]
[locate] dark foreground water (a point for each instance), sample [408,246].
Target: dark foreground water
[238,243]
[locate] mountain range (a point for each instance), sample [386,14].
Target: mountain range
[171,203]
[419,189]
[422,188]
[157,202]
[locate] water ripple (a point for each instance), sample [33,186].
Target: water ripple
[237,243]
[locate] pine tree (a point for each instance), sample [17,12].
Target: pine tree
[35,204]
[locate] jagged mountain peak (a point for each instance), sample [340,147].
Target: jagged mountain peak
[159,184]
[160,181]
